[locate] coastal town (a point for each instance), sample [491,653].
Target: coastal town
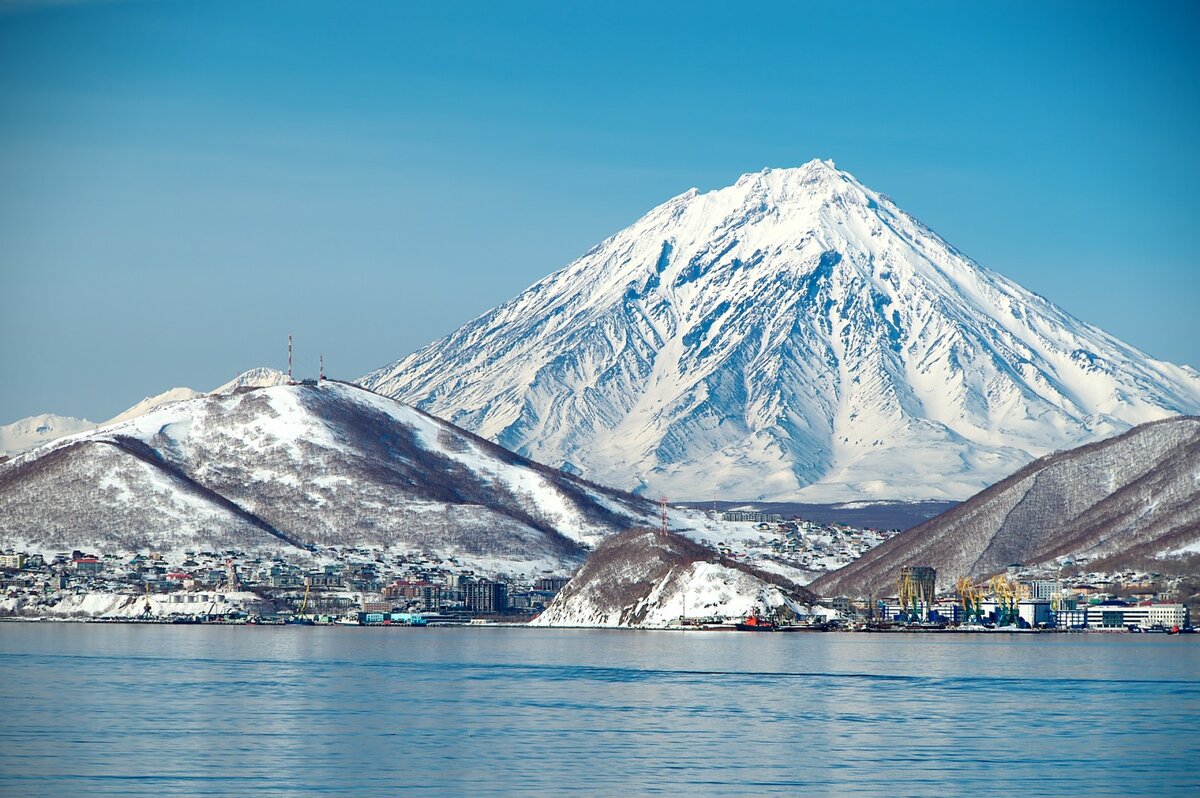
[373,586]
[354,585]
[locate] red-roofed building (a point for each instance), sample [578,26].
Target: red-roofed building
[87,565]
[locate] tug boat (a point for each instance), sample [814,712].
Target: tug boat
[753,623]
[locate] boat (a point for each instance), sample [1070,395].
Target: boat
[753,623]
[806,627]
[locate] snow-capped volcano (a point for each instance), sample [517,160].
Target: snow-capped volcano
[795,335]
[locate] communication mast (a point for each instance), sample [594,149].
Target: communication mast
[321,373]
[289,357]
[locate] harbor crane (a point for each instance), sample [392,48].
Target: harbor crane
[1008,595]
[971,596]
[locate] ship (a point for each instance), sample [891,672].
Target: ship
[753,623]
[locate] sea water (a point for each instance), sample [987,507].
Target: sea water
[107,709]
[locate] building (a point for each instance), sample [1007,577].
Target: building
[427,594]
[15,561]
[486,597]
[87,565]
[915,588]
[323,580]
[754,516]
[1118,614]
[947,612]
[1041,588]
[284,580]
[896,612]
[530,600]
[1070,618]
[840,603]
[1035,612]
[551,584]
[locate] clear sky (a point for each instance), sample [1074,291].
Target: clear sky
[183,183]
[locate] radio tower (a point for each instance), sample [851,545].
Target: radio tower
[662,503]
[289,357]
[321,373]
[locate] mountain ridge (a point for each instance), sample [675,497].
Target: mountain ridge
[319,464]
[33,431]
[1129,497]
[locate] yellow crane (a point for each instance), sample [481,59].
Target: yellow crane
[299,617]
[1008,595]
[971,596]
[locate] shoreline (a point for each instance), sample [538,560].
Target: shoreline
[185,621]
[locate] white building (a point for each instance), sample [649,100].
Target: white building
[1145,615]
[1042,588]
[1035,612]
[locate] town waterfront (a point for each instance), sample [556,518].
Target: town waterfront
[94,709]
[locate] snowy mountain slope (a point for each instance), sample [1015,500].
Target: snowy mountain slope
[106,490]
[260,377]
[127,605]
[327,464]
[28,433]
[153,402]
[644,578]
[793,336]
[1132,498]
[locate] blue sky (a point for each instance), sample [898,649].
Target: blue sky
[183,183]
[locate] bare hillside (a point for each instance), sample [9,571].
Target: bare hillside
[1133,497]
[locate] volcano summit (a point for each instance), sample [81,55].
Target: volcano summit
[793,336]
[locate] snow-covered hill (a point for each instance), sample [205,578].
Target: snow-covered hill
[1123,502]
[649,579]
[153,402]
[31,432]
[298,465]
[133,605]
[261,377]
[28,433]
[793,336]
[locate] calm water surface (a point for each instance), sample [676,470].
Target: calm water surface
[278,711]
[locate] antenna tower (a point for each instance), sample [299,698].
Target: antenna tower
[321,377]
[662,503]
[289,357]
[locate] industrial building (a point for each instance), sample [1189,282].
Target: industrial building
[1118,615]
[916,589]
